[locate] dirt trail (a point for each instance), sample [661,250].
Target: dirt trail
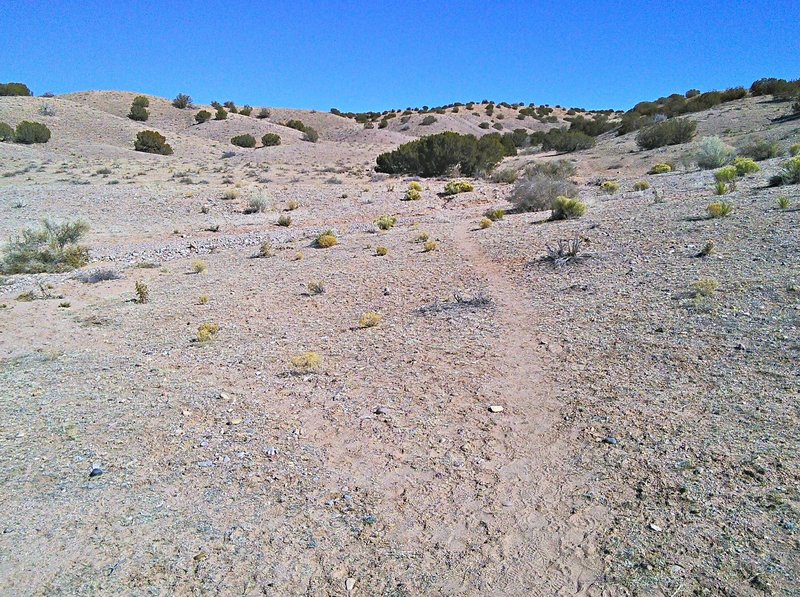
[546,530]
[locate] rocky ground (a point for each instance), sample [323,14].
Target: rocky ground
[508,428]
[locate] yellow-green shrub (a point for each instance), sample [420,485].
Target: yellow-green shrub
[660,169]
[610,186]
[207,332]
[745,166]
[369,319]
[413,195]
[642,185]
[567,208]
[386,222]
[485,223]
[458,186]
[327,239]
[719,209]
[495,214]
[726,174]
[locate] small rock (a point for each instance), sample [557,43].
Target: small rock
[235,422]
[349,584]
[369,519]
[271,452]
[610,440]
[655,527]
[205,464]
[96,472]
[224,396]
[387,291]
[381,410]
[507,504]
[495,408]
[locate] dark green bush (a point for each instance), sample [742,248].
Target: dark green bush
[141,100]
[485,125]
[216,105]
[296,124]
[564,140]
[245,140]
[593,127]
[734,93]
[428,120]
[152,142]
[270,140]
[138,113]
[31,132]
[263,113]
[231,107]
[434,155]
[310,135]
[202,116]
[6,132]
[668,132]
[246,110]
[182,101]
[220,114]
[14,89]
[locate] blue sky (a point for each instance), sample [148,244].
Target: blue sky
[380,55]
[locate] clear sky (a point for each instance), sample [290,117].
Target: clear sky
[375,55]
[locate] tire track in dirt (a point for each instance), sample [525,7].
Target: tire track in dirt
[545,531]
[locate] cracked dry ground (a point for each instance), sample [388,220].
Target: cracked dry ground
[225,473]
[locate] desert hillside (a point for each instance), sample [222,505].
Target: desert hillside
[274,370]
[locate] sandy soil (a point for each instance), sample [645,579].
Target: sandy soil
[646,444]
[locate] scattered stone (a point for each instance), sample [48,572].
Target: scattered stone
[349,584]
[610,440]
[205,464]
[96,472]
[235,422]
[655,527]
[224,396]
[381,410]
[495,408]
[369,519]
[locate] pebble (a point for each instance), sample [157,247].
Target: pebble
[381,410]
[369,519]
[205,463]
[349,584]
[96,472]
[610,440]
[495,408]
[655,527]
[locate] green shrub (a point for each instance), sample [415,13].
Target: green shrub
[310,135]
[719,209]
[434,155]
[642,185]
[720,188]
[182,101]
[246,110]
[257,204]
[6,132]
[563,140]
[140,100]
[713,153]
[783,202]
[412,195]
[745,166]
[734,93]
[231,107]
[138,113]
[505,176]
[270,140]
[245,140]
[7,89]
[202,116]
[386,222]
[727,174]
[428,120]
[485,125]
[660,169]
[263,113]
[593,127]
[52,248]
[296,124]
[668,132]
[31,132]
[326,240]
[610,187]
[152,142]
[220,114]
[794,149]
[284,220]
[790,173]
[761,150]
[416,186]
[567,208]
[455,187]
[538,192]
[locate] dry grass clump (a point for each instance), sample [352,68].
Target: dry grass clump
[202,299]
[495,214]
[369,319]
[539,192]
[412,195]
[610,187]
[199,266]
[429,246]
[458,186]
[306,362]
[566,251]
[315,287]
[707,249]
[292,205]
[266,249]
[381,251]
[422,237]
[719,209]
[257,204]
[660,169]
[207,332]
[485,223]
[705,287]
[326,240]
[567,208]
[642,185]
[230,195]
[142,292]
[284,220]
[783,202]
